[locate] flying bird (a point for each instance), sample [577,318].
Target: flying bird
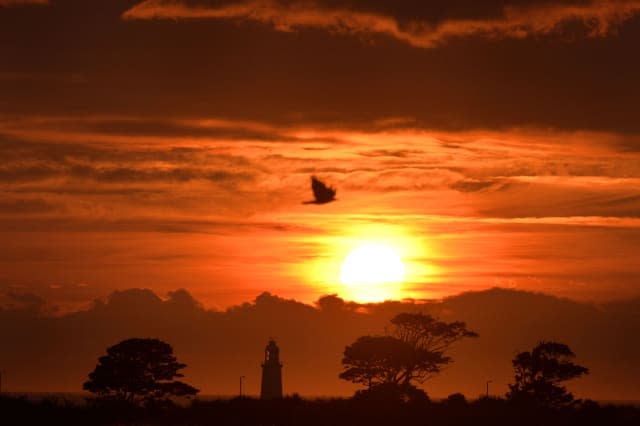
[322,193]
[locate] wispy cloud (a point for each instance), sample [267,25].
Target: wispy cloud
[98,196]
[597,18]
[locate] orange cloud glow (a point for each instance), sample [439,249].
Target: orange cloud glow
[465,210]
[598,18]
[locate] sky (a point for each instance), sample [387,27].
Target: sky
[169,145]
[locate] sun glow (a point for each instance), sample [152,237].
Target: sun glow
[361,259]
[372,272]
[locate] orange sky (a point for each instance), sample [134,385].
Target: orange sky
[90,211]
[169,145]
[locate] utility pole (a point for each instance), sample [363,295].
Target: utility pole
[241,377]
[488,381]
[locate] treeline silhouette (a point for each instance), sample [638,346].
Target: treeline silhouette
[134,383]
[218,346]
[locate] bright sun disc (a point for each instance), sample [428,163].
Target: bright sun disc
[369,267]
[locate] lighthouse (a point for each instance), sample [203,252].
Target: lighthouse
[271,372]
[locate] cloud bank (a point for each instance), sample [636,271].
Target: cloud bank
[219,346]
[516,20]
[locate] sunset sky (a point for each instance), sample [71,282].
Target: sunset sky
[169,144]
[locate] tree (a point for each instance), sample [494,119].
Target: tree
[413,351]
[138,372]
[538,375]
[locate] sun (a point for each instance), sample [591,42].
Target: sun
[372,273]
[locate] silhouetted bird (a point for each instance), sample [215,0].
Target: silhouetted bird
[321,192]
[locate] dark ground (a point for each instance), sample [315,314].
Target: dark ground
[296,411]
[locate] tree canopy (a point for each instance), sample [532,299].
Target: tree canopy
[538,374]
[410,353]
[138,372]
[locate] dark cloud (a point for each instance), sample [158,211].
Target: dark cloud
[219,346]
[131,175]
[26,173]
[474,185]
[172,69]
[31,161]
[26,206]
[420,24]
[42,159]
[121,174]
[616,201]
[126,224]
[127,302]
[624,205]
[181,300]
[164,127]
[22,303]
[398,153]
[549,200]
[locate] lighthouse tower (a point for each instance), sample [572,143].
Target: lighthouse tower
[271,372]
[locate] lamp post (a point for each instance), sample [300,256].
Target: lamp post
[488,381]
[241,377]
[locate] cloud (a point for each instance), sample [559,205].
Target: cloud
[475,185]
[132,175]
[26,206]
[100,150]
[133,126]
[22,2]
[147,161]
[176,203]
[128,175]
[283,78]
[22,302]
[596,18]
[398,153]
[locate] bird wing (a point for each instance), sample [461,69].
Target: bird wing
[321,192]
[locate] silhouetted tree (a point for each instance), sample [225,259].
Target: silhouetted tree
[138,372]
[389,392]
[456,400]
[413,351]
[539,372]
